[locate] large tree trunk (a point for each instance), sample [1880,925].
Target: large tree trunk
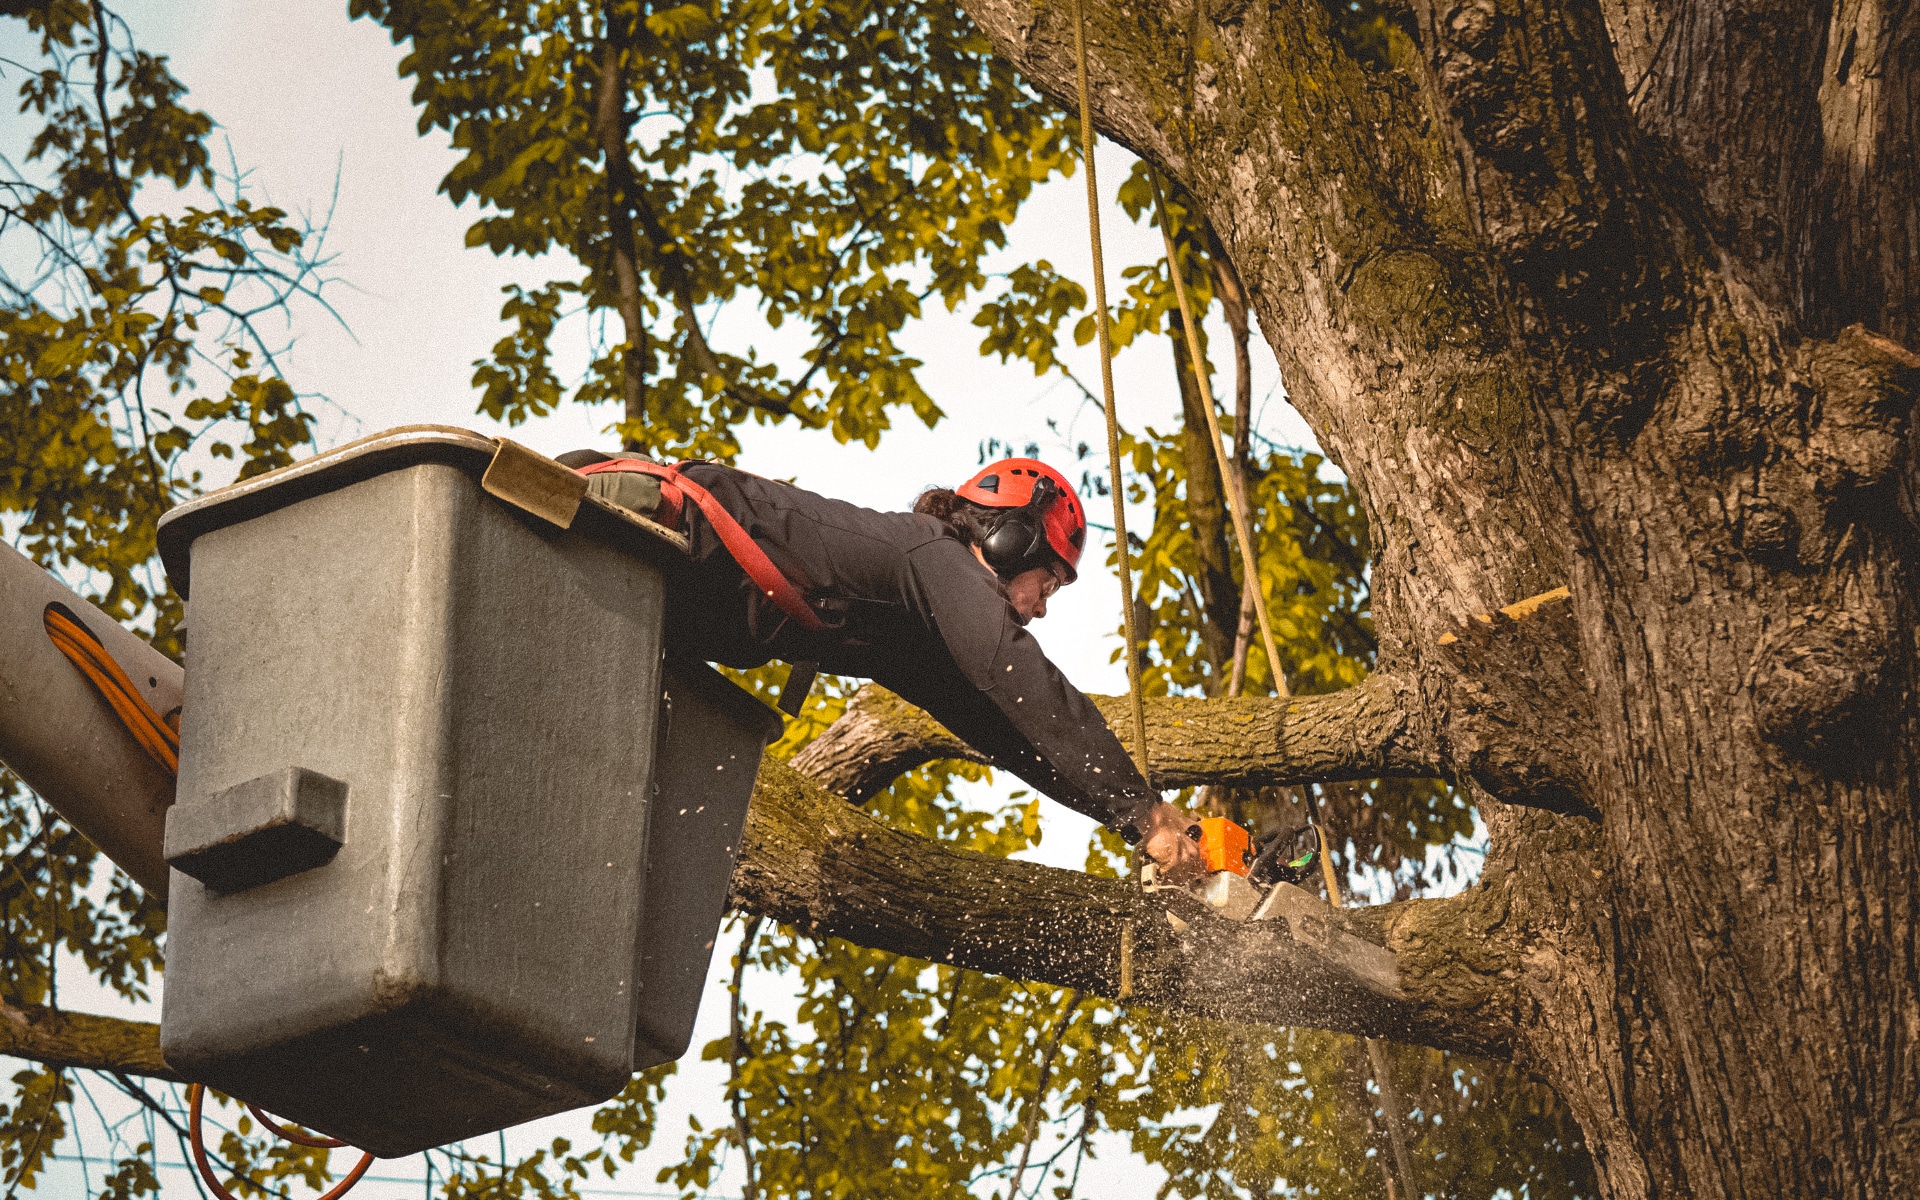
[1616,296]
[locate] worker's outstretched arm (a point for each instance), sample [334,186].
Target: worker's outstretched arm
[1006,700]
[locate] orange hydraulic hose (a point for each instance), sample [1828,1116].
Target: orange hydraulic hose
[290,1135]
[160,740]
[196,1098]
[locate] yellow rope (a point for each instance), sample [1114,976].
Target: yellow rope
[1236,505]
[1229,478]
[1088,137]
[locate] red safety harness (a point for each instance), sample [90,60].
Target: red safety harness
[675,489]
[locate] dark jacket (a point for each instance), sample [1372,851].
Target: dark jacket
[908,606]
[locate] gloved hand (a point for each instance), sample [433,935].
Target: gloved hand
[1172,840]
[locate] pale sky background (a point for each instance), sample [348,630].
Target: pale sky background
[308,98]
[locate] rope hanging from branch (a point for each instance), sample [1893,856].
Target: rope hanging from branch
[1229,477]
[1088,138]
[1237,507]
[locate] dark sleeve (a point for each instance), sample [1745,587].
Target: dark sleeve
[1006,700]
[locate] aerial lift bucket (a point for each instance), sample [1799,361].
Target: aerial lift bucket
[454,830]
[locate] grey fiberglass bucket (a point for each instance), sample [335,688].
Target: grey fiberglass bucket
[443,859]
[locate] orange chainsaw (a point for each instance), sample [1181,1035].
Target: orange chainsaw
[1238,876]
[1248,881]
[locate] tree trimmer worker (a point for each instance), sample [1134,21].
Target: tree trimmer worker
[932,604]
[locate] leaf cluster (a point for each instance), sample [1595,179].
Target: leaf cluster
[108,309]
[833,165]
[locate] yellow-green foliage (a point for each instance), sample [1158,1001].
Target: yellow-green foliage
[836,165]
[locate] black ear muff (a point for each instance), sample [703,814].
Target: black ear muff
[1012,543]
[1018,539]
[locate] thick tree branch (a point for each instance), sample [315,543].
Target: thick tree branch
[1358,733]
[812,860]
[878,739]
[64,1039]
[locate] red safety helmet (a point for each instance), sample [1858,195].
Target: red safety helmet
[1010,483]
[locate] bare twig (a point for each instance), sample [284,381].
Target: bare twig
[102,52]
[739,1054]
[611,124]
[1040,1088]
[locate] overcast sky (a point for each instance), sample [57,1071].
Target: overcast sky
[311,102]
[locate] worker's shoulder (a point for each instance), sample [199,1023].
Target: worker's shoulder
[938,542]
[905,531]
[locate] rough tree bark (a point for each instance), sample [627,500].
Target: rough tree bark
[1622,296]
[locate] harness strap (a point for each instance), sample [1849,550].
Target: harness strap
[745,551]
